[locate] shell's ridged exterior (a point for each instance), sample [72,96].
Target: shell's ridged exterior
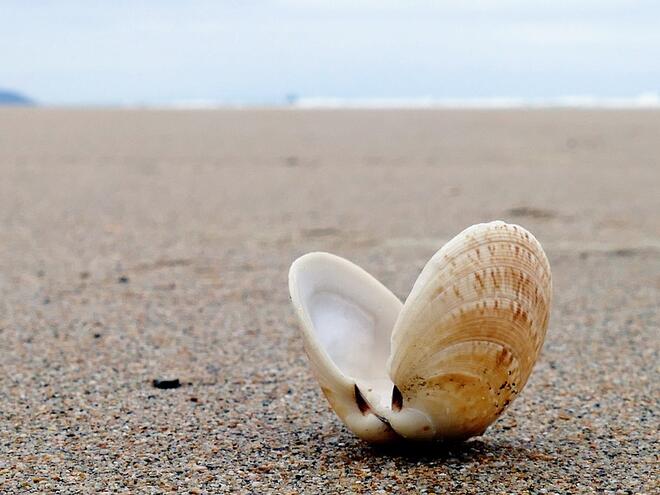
[471,330]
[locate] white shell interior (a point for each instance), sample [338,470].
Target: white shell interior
[351,316]
[346,330]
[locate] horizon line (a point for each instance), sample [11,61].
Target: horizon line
[647,100]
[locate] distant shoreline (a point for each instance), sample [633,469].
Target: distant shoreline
[643,101]
[348,108]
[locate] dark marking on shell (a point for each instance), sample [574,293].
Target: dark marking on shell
[362,404]
[502,357]
[480,280]
[496,283]
[397,399]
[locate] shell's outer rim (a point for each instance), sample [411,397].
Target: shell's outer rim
[311,342]
[306,326]
[338,388]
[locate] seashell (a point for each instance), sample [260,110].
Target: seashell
[448,362]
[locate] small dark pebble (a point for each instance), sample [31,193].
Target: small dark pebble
[166,383]
[123,279]
[194,399]
[46,300]
[97,335]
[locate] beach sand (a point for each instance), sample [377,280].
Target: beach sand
[144,244]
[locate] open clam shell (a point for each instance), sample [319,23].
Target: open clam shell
[450,360]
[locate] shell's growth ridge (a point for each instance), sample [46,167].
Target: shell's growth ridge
[449,361]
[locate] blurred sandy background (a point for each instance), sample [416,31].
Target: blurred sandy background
[139,244]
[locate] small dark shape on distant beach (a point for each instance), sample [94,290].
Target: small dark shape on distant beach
[320,232]
[292,161]
[531,212]
[166,383]
[623,252]
[123,279]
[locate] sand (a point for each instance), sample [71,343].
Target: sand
[140,245]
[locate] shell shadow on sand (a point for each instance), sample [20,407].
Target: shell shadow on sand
[461,452]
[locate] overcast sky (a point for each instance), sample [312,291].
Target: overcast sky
[166,51]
